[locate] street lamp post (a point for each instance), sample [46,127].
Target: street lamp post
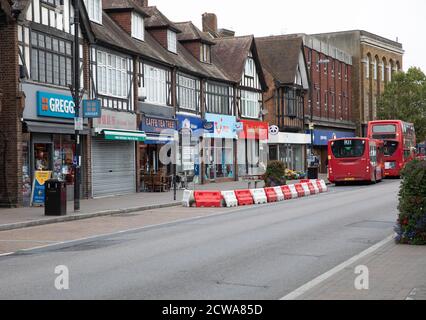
[76,96]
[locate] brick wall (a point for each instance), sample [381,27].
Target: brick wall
[10,118]
[160,35]
[123,19]
[327,82]
[194,47]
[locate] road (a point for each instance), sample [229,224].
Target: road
[259,252]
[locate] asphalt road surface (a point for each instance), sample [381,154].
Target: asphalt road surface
[259,252]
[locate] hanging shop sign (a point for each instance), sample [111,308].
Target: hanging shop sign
[39,191]
[55,105]
[92,108]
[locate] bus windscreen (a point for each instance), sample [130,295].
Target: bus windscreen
[389,147]
[348,148]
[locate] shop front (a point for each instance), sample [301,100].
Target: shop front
[156,154]
[320,142]
[48,139]
[252,147]
[191,130]
[289,148]
[114,153]
[219,148]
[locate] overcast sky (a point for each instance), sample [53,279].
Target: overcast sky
[405,20]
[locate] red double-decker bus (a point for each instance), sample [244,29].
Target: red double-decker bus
[399,140]
[355,159]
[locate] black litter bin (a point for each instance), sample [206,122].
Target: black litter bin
[313,172]
[55,203]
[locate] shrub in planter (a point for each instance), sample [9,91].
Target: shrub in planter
[411,225]
[275,174]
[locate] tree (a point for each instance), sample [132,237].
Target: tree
[405,99]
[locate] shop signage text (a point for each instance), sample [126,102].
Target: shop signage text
[224,126]
[39,190]
[55,105]
[156,125]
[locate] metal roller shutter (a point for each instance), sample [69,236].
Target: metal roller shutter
[113,167]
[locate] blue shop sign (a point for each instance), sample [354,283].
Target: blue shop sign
[321,137]
[189,123]
[224,126]
[55,105]
[92,108]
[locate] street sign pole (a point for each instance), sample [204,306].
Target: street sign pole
[76,87]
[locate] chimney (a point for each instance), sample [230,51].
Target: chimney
[210,23]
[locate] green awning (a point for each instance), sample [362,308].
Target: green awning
[124,135]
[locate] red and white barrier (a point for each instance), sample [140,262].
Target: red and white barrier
[244,197]
[271,195]
[233,198]
[259,196]
[208,199]
[230,198]
[279,193]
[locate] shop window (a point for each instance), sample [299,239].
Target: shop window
[42,156]
[63,155]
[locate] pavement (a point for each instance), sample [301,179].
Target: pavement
[17,218]
[395,272]
[257,252]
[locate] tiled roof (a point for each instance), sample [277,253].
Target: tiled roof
[191,33]
[158,20]
[111,5]
[230,55]
[280,56]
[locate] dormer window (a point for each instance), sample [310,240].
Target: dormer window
[138,26]
[205,53]
[249,68]
[171,41]
[94,10]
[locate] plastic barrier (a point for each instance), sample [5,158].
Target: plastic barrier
[315,186]
[279,192]
[323,185]
[287,192]
[208,199]
[271,195]
[259,196]
[293,190]
[301,191]
[230,199]
[244,197]
[188,198]
[309,188]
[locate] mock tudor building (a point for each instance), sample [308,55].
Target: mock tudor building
[375,60]
[283,62]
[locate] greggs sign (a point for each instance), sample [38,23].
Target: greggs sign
[55,105]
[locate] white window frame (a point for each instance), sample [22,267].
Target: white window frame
[94,10]
[250,104]
[155,80]
[188,93]
[375,69]
[205,53]
[249,68]
[112,75]
[138,26]
[367,70]
[171,41]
